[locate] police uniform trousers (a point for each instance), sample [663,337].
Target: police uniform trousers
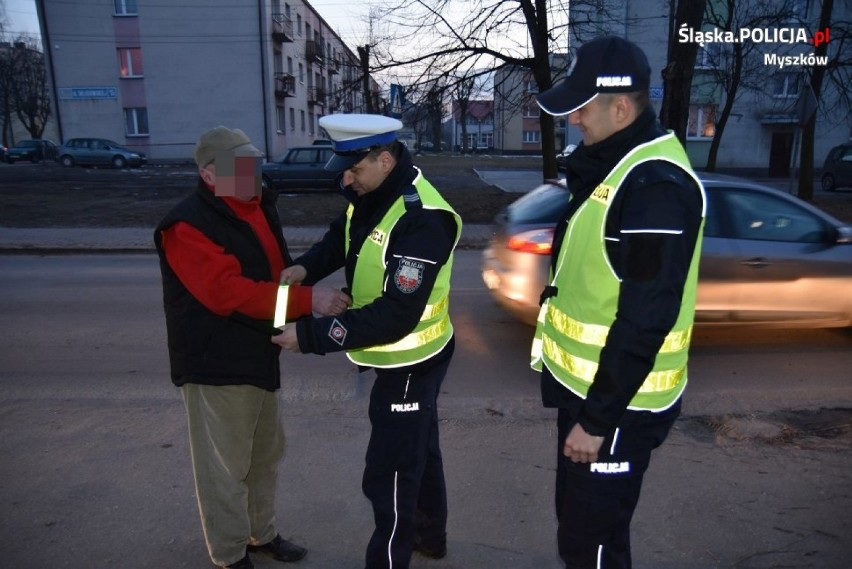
[404,472]
[236,441]
[595,502]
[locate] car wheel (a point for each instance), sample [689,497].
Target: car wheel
[828,183]
[10,160]
[66,161]
[35,160]
[119,162]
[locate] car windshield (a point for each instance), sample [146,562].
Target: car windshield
[545,204]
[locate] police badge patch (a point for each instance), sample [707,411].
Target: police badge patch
[337,332]
[409,275]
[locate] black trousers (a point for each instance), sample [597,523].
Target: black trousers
[404,472]
[595,502]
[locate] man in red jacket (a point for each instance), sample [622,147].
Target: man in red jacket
[221,254]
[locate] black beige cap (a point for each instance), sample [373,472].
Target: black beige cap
[609,64]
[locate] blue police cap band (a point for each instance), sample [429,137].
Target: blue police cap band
[363,142]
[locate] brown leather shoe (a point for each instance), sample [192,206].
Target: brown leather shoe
[279,549]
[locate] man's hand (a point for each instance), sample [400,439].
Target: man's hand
[580,446]
[293,275]
[327,301]
[288,339]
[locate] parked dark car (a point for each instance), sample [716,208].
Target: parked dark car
[301,167]
[837,169]
[769,260]
[3,150]
[34,150]
[98,152]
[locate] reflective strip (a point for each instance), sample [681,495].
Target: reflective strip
[595,334]
[585,370]
[415,339]
[435,310]
[280,318]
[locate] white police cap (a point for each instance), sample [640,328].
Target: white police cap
[354,135]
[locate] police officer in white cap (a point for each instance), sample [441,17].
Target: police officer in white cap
[395,241]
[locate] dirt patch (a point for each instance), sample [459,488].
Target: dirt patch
[47,195]
[812,429]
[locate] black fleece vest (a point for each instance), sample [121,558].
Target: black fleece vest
[203,347]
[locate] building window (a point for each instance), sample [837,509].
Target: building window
[299,23]
[709,56]
[290,65]
[302,115]
[125,8]
[281,118]
[301,74]
[287,11]
[786,85]
[702,122]
[130,62]
[532,136]
[310,123]
[531,110]
[136,121]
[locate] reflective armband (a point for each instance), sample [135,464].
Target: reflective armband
[280,318]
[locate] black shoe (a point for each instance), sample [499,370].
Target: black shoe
[244,563]
[438,552]
[279,549]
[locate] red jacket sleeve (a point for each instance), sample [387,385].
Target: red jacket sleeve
[215,278]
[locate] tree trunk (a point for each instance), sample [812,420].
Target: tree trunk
[806,155]
[364,55]
[730,97]
[677,75]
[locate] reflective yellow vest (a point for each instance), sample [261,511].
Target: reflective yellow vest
[573,325]
[434,329]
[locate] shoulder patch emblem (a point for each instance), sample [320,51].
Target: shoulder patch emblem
[409,275]
[337,332]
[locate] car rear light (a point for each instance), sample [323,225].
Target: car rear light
[537,241]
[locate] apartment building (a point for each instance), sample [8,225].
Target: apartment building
[478,124]
[153,75]
[763,128]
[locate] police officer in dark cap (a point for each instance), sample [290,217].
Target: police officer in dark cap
[395,242]
[613,335]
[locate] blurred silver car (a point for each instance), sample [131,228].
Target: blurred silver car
[769,260]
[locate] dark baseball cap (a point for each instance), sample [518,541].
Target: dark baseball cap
[609,64]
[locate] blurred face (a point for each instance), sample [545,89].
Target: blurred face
[234,176]
[369,173]
[598,119]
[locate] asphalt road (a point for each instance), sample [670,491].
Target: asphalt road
[95,469]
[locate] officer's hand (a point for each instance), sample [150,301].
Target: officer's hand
[580,446]
[288,339]
[327,301]
[293,275]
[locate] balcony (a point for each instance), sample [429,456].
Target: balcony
[285,85]
[282,28]
[316,96]
[334,66]
[314,52]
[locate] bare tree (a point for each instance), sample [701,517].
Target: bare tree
[738,67]
[30,95]
[836,69]
[457,39]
